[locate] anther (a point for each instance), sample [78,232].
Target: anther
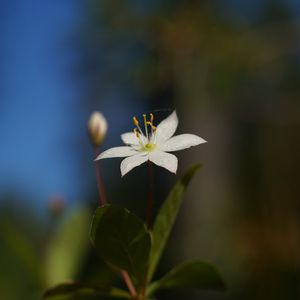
[151,117]
[135,121]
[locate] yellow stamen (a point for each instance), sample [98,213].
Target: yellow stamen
[151,117]
[152,126]
[135,130]
[135,121]
[150,123]
[145,142]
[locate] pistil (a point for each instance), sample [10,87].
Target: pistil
[146,126]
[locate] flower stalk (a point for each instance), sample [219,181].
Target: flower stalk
[100,182]
[150,194]
[97,128]
[129,284]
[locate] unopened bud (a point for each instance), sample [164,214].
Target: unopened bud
[97,127]
[56,206]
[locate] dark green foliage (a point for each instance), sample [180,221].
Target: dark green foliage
[122,239]
[125,243]
[166,218]
[192,274]
[68,288]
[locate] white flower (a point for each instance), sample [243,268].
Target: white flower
[153,145]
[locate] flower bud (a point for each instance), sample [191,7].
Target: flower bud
[57,206]
[97,127]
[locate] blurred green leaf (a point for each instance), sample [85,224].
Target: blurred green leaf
[166,218]
[193,274]
[69,288]
[22,249]
[122,239]
[68,247]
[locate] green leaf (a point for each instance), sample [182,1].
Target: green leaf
[22,250]
[69,288]
[68,247]
[166,218]
[194,274]
[122,239]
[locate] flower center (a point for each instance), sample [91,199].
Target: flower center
[148,140]
[149,147]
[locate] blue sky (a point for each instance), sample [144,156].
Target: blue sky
[42,119]
[37,97]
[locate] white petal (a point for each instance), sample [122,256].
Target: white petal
[131,162]
[180,142]
[165,160]
[167,127]
[130,138]
[117,152]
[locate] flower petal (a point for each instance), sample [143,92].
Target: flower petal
[131,162]
[165,160]
[167,127]
[130,138]
[180,142]
[123,151]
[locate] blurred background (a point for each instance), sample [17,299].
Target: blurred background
[230,68]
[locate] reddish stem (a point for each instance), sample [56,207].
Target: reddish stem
[150,194]
[102,201]
[100,183]
[129,284]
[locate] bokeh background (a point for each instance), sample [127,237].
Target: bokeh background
[230,68]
